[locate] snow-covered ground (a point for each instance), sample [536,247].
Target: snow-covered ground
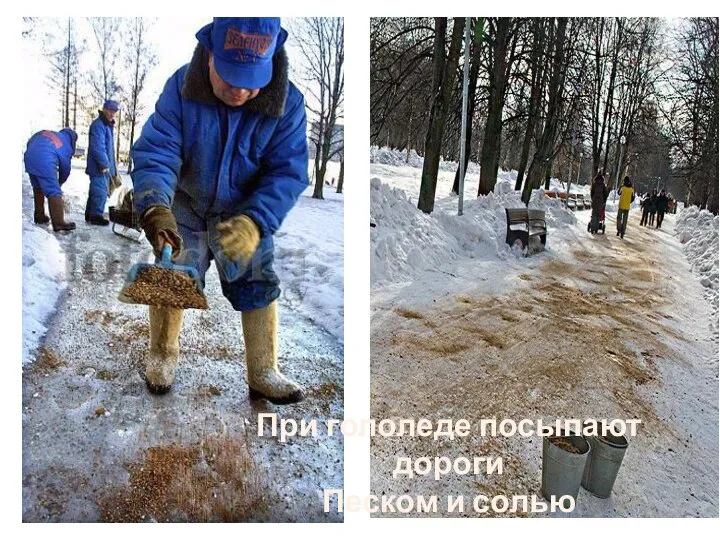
[44,278]
[87,417]
[593,327]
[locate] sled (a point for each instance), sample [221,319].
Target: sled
[125,224]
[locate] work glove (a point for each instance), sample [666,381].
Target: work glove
[160,227]
[104,171]
[239,238]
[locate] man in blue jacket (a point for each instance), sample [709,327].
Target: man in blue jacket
[47,161]
[218,166]
[100,162]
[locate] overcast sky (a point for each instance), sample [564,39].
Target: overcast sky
[174,40]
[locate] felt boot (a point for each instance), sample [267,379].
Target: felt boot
[57,215]
[97,220]
[264,378]
[39,199]
[162,360]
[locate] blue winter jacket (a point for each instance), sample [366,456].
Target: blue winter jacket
[49,153]
[101,149]
[210,162]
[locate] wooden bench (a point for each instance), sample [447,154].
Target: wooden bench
[586,203]
[523,223]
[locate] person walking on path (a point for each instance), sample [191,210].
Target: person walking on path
[598,195]
[652,208]
[662,205]
[218,166]
[101,163]
[645,205]
[627,196]
[47,162]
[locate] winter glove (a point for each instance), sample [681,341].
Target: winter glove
[239,238]
[160,226]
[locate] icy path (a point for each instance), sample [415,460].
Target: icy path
[88,419]
[594,327]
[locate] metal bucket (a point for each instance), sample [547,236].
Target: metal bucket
[603,464]
[562,471]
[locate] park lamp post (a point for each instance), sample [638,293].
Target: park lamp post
[617,173]
[463,127]
[582,154]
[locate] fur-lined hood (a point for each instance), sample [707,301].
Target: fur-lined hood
[270,101]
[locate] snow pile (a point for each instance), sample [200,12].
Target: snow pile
[396,158]
[405,241]
[451,166]
[698,231]
[309,259]
[399,158]
[44,279]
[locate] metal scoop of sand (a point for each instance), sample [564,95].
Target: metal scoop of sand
[164,284]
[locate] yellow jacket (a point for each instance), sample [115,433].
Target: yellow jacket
[627,194]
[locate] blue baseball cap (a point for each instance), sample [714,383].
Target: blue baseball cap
[111,105]
[243,48]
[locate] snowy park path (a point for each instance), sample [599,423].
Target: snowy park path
[93,435]
[596,327]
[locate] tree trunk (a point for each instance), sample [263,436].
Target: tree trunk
[490,155]
[541,164]
[341,177]
[438,111]
[75,95]
[318,189]
[67,80]
[132,140]
[117,151]
[537,64]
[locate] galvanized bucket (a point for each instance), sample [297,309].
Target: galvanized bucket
[604,463]
[562,470]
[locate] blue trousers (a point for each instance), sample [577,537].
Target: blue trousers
[254,287]
[97,195]
[47,184]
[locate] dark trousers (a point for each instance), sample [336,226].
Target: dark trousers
[644,219]
[660,216]
[622,219]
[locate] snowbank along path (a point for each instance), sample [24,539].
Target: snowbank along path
[97,446]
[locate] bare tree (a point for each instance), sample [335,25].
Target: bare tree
[341,176]
[692,115]
[140,58]
[401,54]
[502,40]
[322,44]
[63,62]
[104,81]
[542,160]
[444,72]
